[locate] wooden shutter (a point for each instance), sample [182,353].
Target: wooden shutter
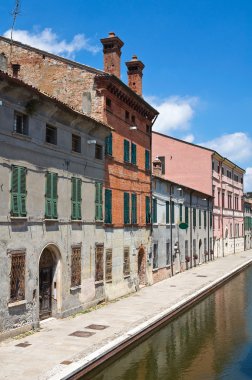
[108,206]
[126,208]
[205,219]
[154,211]
[133,153]
[186,215]
[126,150]
[147,209]
[133,208]
[18,191]
[76,198]
[22,184]
[98,201]
[51,195]
[194,217]
[147,160]
[108,145]
[199,218]
[180,213]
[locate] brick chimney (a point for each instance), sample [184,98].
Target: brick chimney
[112,54]
[157,167]
[135,73]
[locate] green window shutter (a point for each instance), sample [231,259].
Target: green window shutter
[126,151]
[126,208]
[211,219]
[205,223]
[108,206]
[133,153]
[147,209]
[199,218]
[194,217]
[133,208]
[147,160]
[186,216]
[18,191]
[181,213]
[76,198]
[172,213]
[51,196]
[108,145]
[167,212]
[98,201]
[154,210]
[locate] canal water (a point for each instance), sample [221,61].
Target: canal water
[213,340]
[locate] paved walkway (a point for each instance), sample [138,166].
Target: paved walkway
[52,353]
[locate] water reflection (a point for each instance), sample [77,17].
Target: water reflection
[213,340]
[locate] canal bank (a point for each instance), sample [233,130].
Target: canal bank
[65,347]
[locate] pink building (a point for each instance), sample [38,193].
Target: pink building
[207,171]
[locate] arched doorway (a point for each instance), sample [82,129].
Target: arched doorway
[141,266]
[49,282]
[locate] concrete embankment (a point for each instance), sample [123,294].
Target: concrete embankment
[65,349]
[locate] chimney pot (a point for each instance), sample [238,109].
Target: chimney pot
[111,34]
[112,54]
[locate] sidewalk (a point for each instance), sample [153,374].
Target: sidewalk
[53,353]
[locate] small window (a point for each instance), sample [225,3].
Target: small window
[99,262]
[76,143]
[108,265]
[133,118]
[127,115]
[126,261]
[148,128]
[17,277]
[155,255]
[162,159]
[108,102]
[76,266]
[98,151]
[51,135]
[20,123]
[15,69]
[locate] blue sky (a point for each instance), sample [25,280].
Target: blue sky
[197,54]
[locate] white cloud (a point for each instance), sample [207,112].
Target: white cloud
[175,113]
[248,180]
[49,41]
[189,138]
[235,146]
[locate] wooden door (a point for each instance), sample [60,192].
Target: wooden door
[45,292]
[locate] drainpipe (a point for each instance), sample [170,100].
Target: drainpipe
[190,221]
[234,229]
[208,228]
[171,229]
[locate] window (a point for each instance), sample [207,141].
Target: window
[18,191]
[205,245]
[147,160]
[108,265]
[194,217]
[17,277]
[98,201]
[76,266]
[108,145]
[20,123]
[51,135]
[126,261]
[186,215]
[181,212]
[126,115]
[133,118]
[133,154]
[76,198]
[147,210]
[126,151]
[167,212]
[99,262]
[205,219]
[98,151]
[108,206]
[235,178]
[172,213]
[133,208]
[76,143]
[148,128]
[15,69]
[186,248]
[126,208]
[211,219]
[51,196]
[199,218]
[154,210]
[108,102]
[223,199]
[168,256]
[194,247]
[155,255]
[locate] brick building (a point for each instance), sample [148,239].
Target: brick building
[208,172]
[126,194]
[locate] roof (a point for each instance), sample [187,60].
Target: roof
[81,66]
[19,82]
[224,159]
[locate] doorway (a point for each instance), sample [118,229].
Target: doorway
[141,266]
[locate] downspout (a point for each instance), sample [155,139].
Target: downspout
[171,229]
[208,228]
[233,225]
[190,221]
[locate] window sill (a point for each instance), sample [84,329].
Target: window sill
[75,288]
[76,220]
[109,156]
[126,276]
[75,152]
[18,218]
[21,136]
[108,281]
[17,303]
[155,269]
[108,224]
[46,220]
[99,282]
[168,266]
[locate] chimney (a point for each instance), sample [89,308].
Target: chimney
[112,54]
[135,73]
[157,167]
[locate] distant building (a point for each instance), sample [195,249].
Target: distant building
[51,177]
[247,202]
[208,172]
[182,226]
[121,261]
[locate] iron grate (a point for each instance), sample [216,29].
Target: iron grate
[96,327]
[82,334]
